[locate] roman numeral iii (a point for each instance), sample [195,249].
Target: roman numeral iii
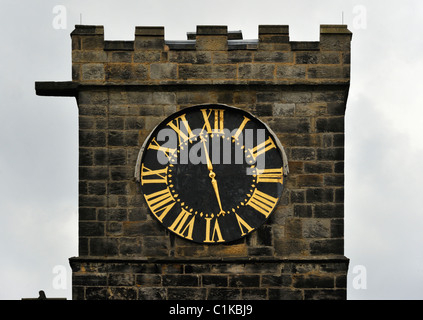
[270,175]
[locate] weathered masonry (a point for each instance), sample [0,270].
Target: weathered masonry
[125,88]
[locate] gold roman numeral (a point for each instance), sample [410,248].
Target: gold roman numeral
[241,127]
[262,202]
[181,121]
[154,145]
[180,227]
[218,120]
[160,202]
[242,223]
[270,175]
[216,232]
[153,176]
[262,148]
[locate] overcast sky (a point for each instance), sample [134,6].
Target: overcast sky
[384,129]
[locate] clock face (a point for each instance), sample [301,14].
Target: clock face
[211,173]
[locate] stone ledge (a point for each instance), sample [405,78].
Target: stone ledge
[88,30]
[149,31]
[118,45]
[273,29]
[250,260]
[334,29]
[205,30]
[71,88]
[59,89]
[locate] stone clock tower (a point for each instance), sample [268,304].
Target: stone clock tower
[150,230]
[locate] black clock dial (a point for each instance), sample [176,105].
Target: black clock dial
[211,173]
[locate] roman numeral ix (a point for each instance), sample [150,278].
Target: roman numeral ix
[153,176]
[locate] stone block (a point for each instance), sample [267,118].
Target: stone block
[285,294]
[92,71]
[125,71]
[224,294]
[307,57]
[273,29]
[336,180]
[118,45]
[303,211]
[327,246]
[290,125]
[211,43]
[313,281]
[256,71]
[148,43]
[151,293]
[329,210]
[147,56]
[92,138]
[92,42]
[211,30]
[235,56]
[318,167]
[313,228]
[273,56]
[207,72]
[330,154]
[186,293]
[290,72]
[193,57]
[244,281]
[89,56]
[91,229]
[93,173]
[103,246]
[303,154]
[310,180]
[329,72]
[185,280]
[159,71]
[332,124]
[120,56]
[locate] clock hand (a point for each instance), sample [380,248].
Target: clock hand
[209,163]
[216,191]
[212,175]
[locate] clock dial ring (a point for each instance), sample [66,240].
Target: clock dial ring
[198,192]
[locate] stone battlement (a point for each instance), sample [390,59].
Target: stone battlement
[211,55]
